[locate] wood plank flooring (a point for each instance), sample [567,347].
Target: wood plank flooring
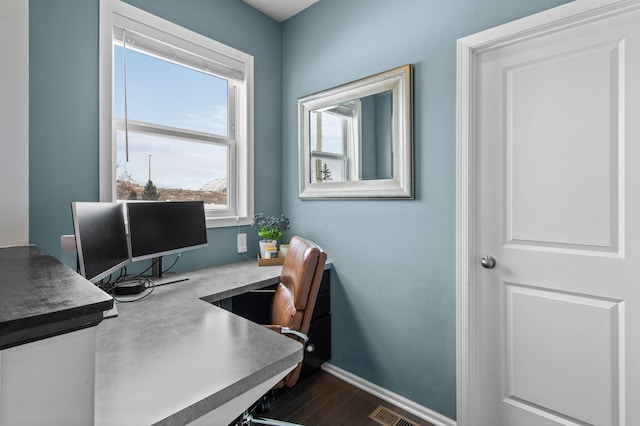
[325,400]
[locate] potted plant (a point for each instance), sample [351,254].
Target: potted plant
[270,229]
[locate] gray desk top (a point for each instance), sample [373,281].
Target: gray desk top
[172,357]
[41,297]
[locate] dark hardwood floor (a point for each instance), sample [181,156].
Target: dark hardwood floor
[324,400]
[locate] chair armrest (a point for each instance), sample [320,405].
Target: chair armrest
[299,334]
[286,330]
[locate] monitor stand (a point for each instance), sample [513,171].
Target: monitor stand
[158,278]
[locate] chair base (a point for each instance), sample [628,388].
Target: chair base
[249,420]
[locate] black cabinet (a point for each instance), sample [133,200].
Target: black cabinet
[256,306]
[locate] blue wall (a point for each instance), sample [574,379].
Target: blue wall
[393,288]
[63,82]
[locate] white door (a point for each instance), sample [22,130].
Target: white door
[554,326]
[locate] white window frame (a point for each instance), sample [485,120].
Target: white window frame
[241,177]
[351,116]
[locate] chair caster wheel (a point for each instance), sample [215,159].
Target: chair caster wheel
[265,405]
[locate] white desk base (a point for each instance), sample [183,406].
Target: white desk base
[49,381]
[228,412]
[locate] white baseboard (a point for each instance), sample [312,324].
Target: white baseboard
[390,397]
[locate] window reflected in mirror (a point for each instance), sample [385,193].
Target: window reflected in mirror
[334,139]
[352,141]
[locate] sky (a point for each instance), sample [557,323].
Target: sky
[164,93]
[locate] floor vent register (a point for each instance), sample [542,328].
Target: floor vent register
[386,417]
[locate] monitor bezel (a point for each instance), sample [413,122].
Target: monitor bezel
[78,239]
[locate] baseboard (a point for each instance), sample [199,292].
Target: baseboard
[392,398]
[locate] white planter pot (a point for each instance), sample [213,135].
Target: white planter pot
[266,243]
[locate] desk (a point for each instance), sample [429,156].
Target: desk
[172,357]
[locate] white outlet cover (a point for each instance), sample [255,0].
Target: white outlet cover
[242,243]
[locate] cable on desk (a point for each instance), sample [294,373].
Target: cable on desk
[107,285]
[148,285]
[173,264]
[124,278]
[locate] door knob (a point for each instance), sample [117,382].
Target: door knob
[488,262]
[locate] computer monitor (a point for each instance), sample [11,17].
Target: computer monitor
[101,238]
[158,228]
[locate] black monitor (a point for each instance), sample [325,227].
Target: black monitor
[158,228]
[101,238]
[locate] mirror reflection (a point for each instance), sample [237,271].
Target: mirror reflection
[356,139]
[352,140]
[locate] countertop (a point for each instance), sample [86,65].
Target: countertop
[172,356]
[41,297]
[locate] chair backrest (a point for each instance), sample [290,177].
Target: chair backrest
[297,292]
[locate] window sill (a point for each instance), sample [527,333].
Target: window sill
[221,222]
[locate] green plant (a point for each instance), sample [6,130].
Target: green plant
[326,173]
[270,227]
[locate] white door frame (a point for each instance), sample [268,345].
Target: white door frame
[468,49]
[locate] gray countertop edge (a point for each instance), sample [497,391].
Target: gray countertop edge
[18,337]
[212,402]
[240,290]
[225,294]
[42,297]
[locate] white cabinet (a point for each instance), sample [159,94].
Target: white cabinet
[49,381]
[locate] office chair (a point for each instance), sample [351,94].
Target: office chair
[292,306]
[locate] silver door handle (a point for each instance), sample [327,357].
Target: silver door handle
[488,262]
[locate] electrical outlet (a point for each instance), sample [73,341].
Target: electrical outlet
[242,243]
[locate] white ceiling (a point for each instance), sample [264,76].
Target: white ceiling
[280,10]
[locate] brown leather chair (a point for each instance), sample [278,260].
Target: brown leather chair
[295,297]
[293,303]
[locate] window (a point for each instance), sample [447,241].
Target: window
[175,120]
[335,143]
